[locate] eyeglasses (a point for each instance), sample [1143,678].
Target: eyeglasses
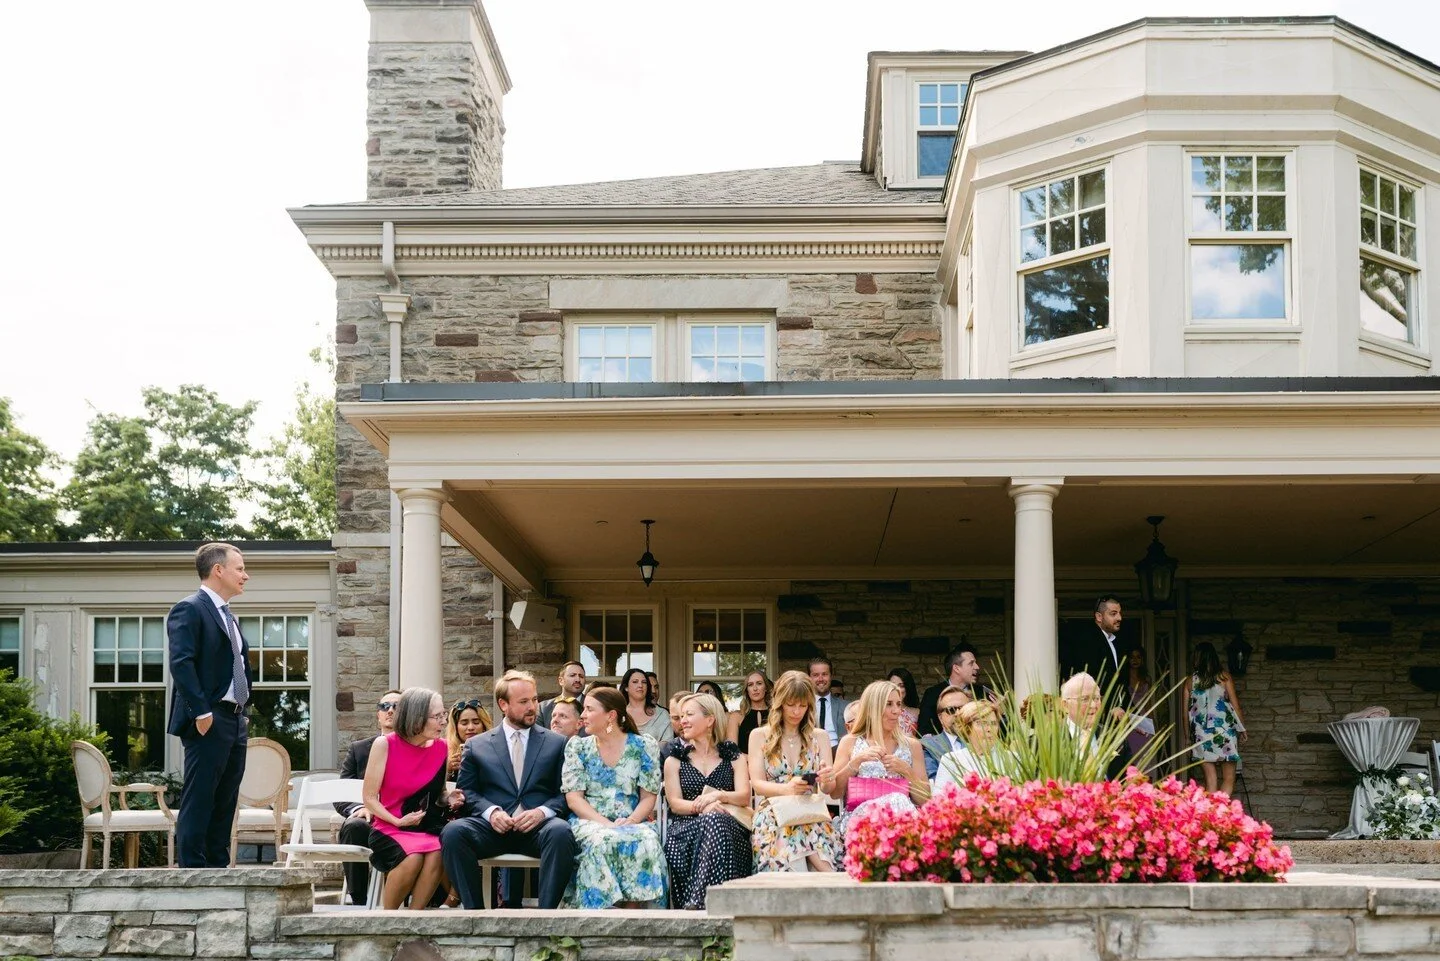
[437,717]
[462,705]
[952,710]
[388,705]
[1087,699]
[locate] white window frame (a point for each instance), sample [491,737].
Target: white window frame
[918,129]
[257,649]
[1090,338]
[771,643]
[1290,323]
[658,626]
[19,618]
[169,749]
[672,339]
[1416,341]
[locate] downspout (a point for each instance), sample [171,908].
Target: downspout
[497,624]
[394,305]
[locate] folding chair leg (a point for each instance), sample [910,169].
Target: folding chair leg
[374,898]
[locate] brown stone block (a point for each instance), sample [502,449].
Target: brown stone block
[345,567]
[346,334]
[345,629]
[913,334]
[540,316]
[345,701]
[345,499]
[865,284]
[794,323]
[496,377]
[457,340]
[482,670]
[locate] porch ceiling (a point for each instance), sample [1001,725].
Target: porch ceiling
[728,532]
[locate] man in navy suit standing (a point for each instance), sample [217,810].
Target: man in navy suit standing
[209,667]
[513,802]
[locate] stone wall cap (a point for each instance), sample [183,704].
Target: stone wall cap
[773,895]
[258,877]
[503,923]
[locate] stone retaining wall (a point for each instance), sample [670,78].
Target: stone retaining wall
[267,914]
[804,917]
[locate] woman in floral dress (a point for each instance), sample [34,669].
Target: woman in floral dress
[705,844]
[1215,719]
[610,780]
[781,756]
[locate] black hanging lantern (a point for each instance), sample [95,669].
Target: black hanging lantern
[647,562]
[1156,571]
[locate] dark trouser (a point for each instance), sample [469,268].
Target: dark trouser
[466,841]
[357,873]
[214,765]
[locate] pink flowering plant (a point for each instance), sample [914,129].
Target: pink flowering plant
[1050,831]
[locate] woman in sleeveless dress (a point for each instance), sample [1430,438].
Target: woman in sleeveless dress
[758,689]
[1215,719]
[705,844]
[405,794]
[791,756]
[877,749]
[910,710]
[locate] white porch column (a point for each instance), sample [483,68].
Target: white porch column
[1037,648]
[421,624]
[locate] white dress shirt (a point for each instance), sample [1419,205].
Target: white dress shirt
[219,603]
[829,703]
[511,734]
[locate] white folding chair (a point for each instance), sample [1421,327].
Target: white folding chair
[488,865]
[264,795]
[321,795]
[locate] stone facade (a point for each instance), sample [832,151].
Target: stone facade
[780,917]
[268,914]
[502,329]
[434,126]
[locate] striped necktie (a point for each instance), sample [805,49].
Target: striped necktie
[237,662]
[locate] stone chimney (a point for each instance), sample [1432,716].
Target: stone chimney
[436,83]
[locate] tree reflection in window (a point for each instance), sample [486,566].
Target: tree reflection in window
[1062,219]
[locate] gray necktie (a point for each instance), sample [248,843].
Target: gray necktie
[237,662]
[517,757]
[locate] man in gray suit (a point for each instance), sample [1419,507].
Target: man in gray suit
[513,803]
[572,682]
[829,708]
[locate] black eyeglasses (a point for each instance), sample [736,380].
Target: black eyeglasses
[462,705]
[389,705]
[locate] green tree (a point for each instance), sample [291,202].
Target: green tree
[299,501]
[28,504]
[174,473]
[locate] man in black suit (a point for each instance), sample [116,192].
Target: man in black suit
[962,668]
[1100,654]
[513,803]
[209,667]
[356,829]
[572,682]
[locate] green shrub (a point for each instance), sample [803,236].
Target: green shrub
[39,802]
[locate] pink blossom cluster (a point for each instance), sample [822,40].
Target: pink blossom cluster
[1048,831]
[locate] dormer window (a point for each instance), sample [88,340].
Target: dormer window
[937,107]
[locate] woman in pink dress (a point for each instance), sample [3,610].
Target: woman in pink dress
[405,794]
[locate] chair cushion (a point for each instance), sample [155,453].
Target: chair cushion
[131,821]
[258,818]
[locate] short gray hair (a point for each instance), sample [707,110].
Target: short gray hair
[1071,689]
[414,711]
[208,555]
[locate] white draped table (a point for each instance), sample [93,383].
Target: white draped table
[1371,742]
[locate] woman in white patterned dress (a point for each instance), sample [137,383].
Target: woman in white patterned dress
[876,749]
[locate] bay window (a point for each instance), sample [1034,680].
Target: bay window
[1389,255]
[1240,237]
[1064,254]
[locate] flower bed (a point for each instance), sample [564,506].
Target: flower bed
[1048,831]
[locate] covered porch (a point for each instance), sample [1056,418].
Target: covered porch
[882,522]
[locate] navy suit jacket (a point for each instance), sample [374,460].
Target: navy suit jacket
[488,778]
[201,661]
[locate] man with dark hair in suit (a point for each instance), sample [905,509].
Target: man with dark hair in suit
[1097,652]
[513,803]
[962,669]
[356,829]
[572,683]
[209,668]
[829,706]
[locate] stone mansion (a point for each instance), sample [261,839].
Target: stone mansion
[1183,268]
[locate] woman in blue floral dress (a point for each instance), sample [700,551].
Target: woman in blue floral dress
[1215,719]
[610,780]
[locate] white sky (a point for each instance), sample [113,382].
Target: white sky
[151,148]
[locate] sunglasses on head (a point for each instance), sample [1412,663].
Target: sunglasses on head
[388,705]
[474,702]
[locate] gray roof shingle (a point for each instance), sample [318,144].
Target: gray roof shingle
[825,183]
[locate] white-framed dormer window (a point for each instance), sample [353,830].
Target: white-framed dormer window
[10,644]
[937,115]
[700,348]
[1241,230]
[1389,255]
[1064,256]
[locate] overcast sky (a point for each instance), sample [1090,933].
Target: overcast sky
[151,149]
